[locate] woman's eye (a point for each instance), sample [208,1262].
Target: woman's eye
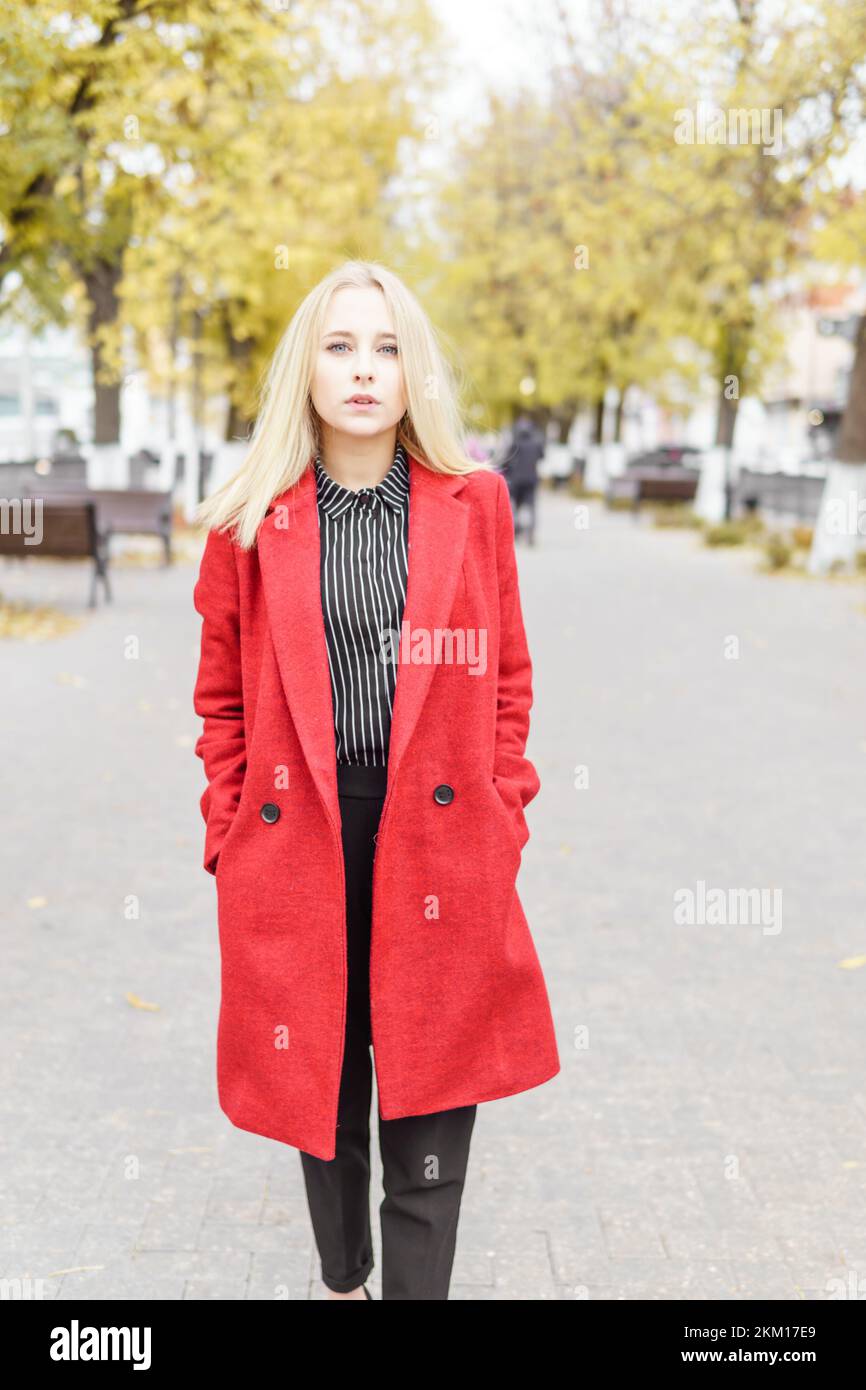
[386,347]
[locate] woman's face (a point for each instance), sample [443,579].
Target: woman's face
[357,357]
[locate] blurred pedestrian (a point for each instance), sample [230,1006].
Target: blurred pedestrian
[520,465]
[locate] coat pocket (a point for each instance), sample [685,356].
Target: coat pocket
[505,815]
[226,838]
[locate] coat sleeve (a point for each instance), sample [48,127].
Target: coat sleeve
[514,775]
[218,694]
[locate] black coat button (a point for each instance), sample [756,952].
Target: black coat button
[270,812]
[443,794]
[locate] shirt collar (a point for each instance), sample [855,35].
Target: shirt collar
[393,489]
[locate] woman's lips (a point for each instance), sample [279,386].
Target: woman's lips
[363,405]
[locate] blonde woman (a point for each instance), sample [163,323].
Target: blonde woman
[365,688]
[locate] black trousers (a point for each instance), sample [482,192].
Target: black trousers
[424,1157]
[523,495]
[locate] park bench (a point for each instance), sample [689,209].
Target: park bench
[647,484]
[119,511]
[668,485]
[789,494]
[67,471]
[69,531]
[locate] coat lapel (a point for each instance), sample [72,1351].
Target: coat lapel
[289,558]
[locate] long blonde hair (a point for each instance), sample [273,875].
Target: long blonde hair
[285,437]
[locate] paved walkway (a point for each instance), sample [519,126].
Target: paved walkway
[706,1137]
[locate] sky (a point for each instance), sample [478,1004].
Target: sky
[494,41]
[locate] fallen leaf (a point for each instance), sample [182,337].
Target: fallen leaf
[28,622]
[137,1003]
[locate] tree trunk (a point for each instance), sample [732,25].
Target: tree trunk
[101,282]
[563,416]
[237,423]
[726,420]
[599,420]
[733,348]
[240,352]
[852,433]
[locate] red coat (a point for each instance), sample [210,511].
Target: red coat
[459,1008]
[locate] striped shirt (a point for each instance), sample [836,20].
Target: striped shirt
[364,543]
